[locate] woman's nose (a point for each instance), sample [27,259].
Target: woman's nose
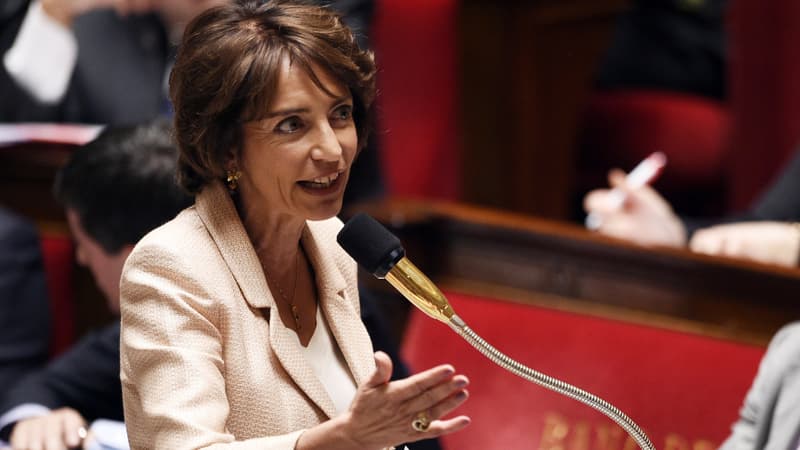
[327,146]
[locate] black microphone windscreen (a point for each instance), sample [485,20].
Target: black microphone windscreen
[372,246]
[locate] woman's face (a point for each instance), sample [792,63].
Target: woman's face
[297,159]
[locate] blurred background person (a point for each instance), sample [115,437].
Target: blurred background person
[769,417]
[768,232]
[662,85]
[108,62]
[24,307]
[668,45]
[285,101]
[100,61]
[114,190]
[89,61]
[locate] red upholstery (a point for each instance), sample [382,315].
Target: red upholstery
[57,254]
[621,128]
[415,45]
[683,390]
[628,126]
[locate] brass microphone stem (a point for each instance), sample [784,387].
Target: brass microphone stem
[551,383]
[421,291]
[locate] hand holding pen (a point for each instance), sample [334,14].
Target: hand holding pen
[643,174]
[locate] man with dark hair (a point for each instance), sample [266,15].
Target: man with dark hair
[114,190]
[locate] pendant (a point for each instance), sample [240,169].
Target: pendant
[296,316]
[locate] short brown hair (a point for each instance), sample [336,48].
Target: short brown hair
[227,68]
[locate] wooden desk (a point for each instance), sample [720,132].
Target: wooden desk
[559,265]
[521,259]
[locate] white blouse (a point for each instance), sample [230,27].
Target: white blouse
[329,366]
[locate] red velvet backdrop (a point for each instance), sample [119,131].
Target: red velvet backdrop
[415,45]
[58,262]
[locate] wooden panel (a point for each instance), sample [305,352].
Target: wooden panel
[527,68]
[26,179]
[529,260]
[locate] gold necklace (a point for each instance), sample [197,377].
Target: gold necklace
[295,311]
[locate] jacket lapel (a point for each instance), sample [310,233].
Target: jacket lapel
[338,307]
[287,348]
[218,213]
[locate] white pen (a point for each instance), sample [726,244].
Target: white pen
[643,174]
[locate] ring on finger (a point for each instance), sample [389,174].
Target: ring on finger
[421,422]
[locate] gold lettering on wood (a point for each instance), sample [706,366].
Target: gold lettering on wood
[561,433]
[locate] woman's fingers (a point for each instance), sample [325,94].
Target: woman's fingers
[417,384]
[430,398]
[384,412]
[383,370]
[449,404]
[441,427]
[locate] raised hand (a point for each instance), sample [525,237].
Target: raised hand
[644,216]
[383,412]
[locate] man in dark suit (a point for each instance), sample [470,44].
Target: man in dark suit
[668,45]
[82,61]
[24,312]
[114,190]
[97,67]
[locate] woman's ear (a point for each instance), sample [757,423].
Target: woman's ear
[232,160]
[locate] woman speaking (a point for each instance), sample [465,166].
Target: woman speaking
[240,317]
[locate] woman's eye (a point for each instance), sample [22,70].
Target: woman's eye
[343,113]
[289,125]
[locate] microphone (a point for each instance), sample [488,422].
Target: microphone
[380,252]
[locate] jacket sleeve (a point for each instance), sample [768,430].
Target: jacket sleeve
[18,103]
[171,359]
[781,201]
[754,428]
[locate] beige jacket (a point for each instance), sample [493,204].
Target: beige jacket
[203,362]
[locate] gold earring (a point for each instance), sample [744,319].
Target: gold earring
[233,179]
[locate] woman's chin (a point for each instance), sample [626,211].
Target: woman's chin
[325,212]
